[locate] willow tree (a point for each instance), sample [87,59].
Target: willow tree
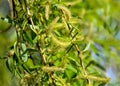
[56,43]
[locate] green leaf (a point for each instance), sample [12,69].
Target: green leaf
[87,47]
[30,64]
[9,64]
[74,60]
[71,68]
[27,38]
[76,83]
[95,64]
[25,55]
[70,71]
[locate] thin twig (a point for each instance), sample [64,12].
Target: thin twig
[31,20]
[34,30]
[41,52]
[82,64]
[79,52]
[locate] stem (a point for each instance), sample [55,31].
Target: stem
[82,64]
[41,52]
[78,51]
[31,20]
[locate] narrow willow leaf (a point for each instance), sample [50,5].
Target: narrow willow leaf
[95,64]
[70,74]
[87,47]
[26,68]
[57,33]
[17,53]
[23,49]
[74,60]
[27,38]
[71,68]
[9,64]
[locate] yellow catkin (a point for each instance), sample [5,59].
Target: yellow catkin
[47,11]
[50,69]
[59,42]
[65,11]
[50,27]
[98,78]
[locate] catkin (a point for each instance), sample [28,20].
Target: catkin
[47,11]
[50,27]
[59,42]
[66,12]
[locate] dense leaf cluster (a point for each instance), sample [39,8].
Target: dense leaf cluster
[58,41]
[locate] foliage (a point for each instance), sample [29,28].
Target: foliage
[62,42]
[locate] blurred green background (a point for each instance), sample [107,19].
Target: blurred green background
[104,15]
[7,38]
